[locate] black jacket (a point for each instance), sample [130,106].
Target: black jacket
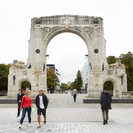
[45,101]
[105,100]
[19,97]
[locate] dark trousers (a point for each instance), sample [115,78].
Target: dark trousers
[74,97]
[19,104]
[24,113]
[105,113]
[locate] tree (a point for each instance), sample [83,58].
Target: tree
[78,81]
[52,79]
[64,86]
[111,59]
[108,85]
[25,85]
[127,60]
[72,85]
[4,71]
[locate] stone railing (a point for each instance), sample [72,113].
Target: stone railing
[128,94]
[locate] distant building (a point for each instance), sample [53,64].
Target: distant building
[52,66]
[84,74]
[68,83]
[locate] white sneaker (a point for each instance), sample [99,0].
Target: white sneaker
[29,125]
[20,126]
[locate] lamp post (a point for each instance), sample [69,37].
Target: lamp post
[57,73]
[87,56]
[54,83]
[47,55]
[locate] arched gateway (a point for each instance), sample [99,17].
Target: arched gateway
[43,29]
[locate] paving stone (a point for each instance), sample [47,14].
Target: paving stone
[80,118]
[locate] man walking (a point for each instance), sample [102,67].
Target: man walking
[105,102]
[41,103]
[19,100]
[74,94]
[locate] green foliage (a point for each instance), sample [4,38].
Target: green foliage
[52,79]
[129,72]
[21,62]
[72,85]
[127,60]
[78,81]
[4,71]
[108,85]
[77,84]
[111,59]
[25,85]
[64,86]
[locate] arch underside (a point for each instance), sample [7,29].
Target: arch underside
[76,30]
[22,81]
[111,80]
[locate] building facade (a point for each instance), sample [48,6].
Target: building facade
[84,74]
[91,30]
[52,66]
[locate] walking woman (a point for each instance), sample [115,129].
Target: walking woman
[26,105]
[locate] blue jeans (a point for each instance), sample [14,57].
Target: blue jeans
[24,113]
[74,97]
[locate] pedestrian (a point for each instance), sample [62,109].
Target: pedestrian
[19,100]
[74,94]
[105,102]
[26,104]
[41,104]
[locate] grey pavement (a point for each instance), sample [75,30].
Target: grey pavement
[65,116]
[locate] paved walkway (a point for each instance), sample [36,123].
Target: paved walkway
[70,117]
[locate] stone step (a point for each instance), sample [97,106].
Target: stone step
[11,101]
[85,100]
[114,100]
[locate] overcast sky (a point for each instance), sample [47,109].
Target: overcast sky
[66,50]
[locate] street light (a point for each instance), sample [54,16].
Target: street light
[86,55]
[54,83]
[47,55]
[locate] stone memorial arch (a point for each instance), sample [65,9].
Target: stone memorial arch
[91,30]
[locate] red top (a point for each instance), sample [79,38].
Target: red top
[26,102]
